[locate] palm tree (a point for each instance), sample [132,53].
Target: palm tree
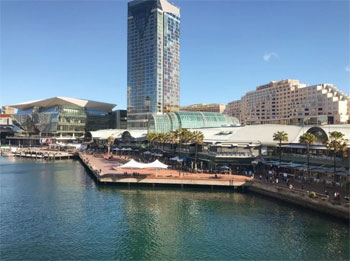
[168,138]
[172,139]
[110,141]
[151,137]
[162,139]
[336,143]
[307,139]
[182,136]
[197,138]
[280,136]
[178,134]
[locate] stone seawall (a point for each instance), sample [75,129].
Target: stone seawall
[301,198]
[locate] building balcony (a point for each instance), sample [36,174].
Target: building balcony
[71,123]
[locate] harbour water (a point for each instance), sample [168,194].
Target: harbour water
[54,210]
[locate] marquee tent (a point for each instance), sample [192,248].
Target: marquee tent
[132,164]
[157,165]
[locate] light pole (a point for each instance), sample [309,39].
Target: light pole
[254,163]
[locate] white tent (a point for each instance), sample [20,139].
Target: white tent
[157,165]
[132,164]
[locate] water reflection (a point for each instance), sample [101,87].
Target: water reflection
[55,210]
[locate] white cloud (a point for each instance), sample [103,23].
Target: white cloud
[347,68]
[268,56]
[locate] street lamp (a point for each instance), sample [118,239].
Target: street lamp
[254,163]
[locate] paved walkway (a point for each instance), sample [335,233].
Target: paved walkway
[297,184]
[106,167]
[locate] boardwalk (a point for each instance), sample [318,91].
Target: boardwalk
[104,172]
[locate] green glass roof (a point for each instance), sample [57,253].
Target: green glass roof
[188,120]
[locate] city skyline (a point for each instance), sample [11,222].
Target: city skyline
[65,57]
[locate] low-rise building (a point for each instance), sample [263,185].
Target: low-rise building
[7,110]
[62,117]
[213,107]
[6,127]
[119,119]
[292,102]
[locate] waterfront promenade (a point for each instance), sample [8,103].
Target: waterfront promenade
[106,171]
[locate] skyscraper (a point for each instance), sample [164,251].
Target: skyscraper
[153,60]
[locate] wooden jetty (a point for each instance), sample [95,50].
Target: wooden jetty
[102,172]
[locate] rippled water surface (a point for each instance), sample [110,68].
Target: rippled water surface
[56,211]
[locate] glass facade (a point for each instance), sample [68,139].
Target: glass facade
[153,60]
[188,120]
[62,120]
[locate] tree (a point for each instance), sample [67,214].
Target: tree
[162,139]
[181,136]
[110,141]
[197,138]
[172,139]
[307,139]
[167,138]
[151,137]
[280,136]
[336,143]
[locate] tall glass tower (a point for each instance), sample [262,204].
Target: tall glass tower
[153,60]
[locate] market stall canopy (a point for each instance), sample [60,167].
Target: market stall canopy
[157,165]
[132,164]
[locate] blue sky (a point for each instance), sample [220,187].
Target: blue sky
[78,48]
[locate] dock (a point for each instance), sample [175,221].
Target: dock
[43,154]
[103,172]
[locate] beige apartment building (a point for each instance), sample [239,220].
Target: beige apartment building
[213,107]
[7,110]
[291,102]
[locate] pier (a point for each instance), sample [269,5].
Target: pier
[43,154]
[103,172]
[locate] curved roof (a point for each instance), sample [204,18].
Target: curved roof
[263,134]
[47,103]
[117,134]
[104,134]
[189,119]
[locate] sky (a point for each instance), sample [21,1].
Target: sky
[78,48]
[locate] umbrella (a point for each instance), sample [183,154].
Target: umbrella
[224,167]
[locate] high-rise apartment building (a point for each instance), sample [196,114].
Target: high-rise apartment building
[291,102]
[153,60]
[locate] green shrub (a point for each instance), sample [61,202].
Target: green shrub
[312,194]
